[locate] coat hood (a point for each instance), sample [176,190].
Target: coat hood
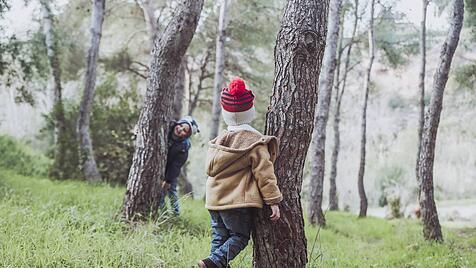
[230,147]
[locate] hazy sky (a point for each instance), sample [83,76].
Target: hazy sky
[18,20]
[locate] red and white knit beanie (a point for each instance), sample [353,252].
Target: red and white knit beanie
[237,103]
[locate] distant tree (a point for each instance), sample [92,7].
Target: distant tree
[421,84]
[298,55]
[150,20]
[363,141]
[87,160]
[318,144]
[338,95]
[219,67]
[58,169]
[429,214]
[148,164]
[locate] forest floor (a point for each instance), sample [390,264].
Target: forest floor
[45,223]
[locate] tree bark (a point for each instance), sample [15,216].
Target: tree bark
[148,164]
[58,169]
[318,144]
[87,160]
[298,55]
[339,93]
[363,139]
[219,67]
[421,86]
[431,224]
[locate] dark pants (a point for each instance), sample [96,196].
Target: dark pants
[230,234]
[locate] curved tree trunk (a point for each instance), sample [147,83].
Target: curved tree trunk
[298,54]
[421,86]
[219,67]
[318,144]
[339,93]
[363,140]
[58,170]
[87,160]
[431,224]
[148,164]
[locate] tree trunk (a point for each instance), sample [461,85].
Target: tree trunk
[185,186]
[318,144]
[219,66]
[421,86]
[363,139]
[431,224]
[339,93]
[179,90]
[298,55]
[87,161]
[193,96]
[58,170]
[150,20]
[148,164]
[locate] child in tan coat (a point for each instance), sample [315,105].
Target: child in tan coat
[241,177]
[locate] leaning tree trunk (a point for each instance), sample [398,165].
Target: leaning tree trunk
[87,161]
[339,93]
[298,55]
[318,144]
[219,67]
[363,138]
[148,164]
[421,86]
[58,169]
[431,224]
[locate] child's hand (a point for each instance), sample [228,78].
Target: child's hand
[275,215]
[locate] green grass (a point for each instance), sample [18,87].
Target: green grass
[46,223]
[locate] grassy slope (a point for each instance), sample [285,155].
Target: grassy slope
[46,223]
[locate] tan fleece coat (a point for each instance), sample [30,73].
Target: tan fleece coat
[241,172]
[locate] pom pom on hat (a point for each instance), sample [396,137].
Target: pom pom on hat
[237,103]
[236,98]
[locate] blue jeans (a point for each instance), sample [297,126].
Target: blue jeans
[172,193]
[230,234]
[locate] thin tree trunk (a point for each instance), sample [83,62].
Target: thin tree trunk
[87,160]
[219,67]
[193,98]
[298,55]
[58,170]
[179,90]
[318,144]
[431,224]
[421,86]
[185,187]
[339,93]
[148,164]
[150,20]
[363,140]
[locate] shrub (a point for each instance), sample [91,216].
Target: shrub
[16,156]
[114,115]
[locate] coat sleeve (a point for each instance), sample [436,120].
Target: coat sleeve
[263,171]
[173,169]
